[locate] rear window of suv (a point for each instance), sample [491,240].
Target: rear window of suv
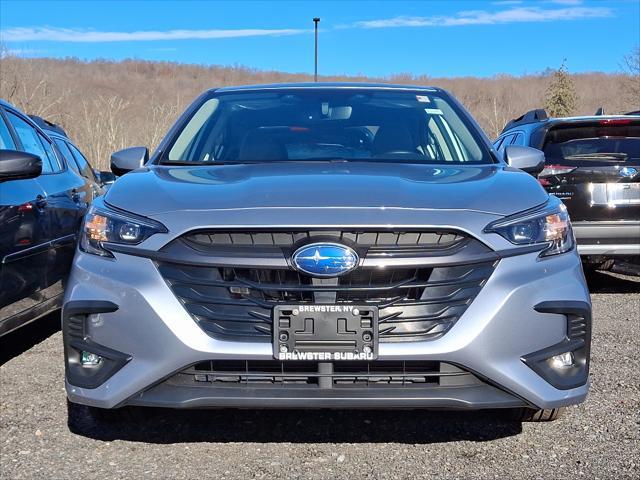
[599,144]
[328,124]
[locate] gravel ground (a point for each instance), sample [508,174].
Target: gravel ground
[597,440]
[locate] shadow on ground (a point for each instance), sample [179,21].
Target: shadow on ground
[295,426]
[22,339]
[606,282]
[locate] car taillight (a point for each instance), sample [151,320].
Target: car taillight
[551,170]
[25,207]
[544,182]
[615,121]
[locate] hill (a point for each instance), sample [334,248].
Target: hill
[105,105]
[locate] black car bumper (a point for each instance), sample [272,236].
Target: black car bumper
[467,397]
[377,384]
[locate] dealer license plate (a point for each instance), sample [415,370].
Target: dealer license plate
[325,332]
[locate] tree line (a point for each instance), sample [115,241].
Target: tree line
[106,105]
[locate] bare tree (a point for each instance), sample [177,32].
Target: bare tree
[102,128]
[31,93]
[632,84]
[496,118]
[160,118]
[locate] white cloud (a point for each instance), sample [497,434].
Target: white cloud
[20,52]
[482,17]
[52,34]
[565,2]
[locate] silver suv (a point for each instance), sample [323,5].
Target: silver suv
[327,246]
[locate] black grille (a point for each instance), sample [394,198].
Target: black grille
[361,285]
[376,242]
[74,327]
[255,373]
[415,302]
[577,327]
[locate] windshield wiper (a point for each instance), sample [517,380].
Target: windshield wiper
[253,162]
[180,163]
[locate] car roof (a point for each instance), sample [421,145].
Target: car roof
[26,117]
[557,120]
[538,117]
[589,118]
[47,126]
[328,85]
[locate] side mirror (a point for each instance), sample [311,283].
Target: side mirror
[16,165]
[124,161]
[104,177]
[531,160]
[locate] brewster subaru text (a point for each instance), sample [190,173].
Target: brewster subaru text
[327,246]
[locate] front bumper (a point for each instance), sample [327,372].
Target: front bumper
[458,398]
[608,238]
[158,338]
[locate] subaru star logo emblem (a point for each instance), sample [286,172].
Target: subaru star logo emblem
[628,172]
[325,259]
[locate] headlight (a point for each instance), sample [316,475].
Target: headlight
[549,224]
[102,226]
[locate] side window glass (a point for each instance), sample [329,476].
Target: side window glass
[30,141]
[53,159]
[6,142]
[519,140]
[85,168]
[506,141]
[66,153]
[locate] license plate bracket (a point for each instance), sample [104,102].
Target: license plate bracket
[325,332]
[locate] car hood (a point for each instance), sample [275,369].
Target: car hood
[493,189]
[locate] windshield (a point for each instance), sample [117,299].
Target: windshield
[594,145]
[327,124]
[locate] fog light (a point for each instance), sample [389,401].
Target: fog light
[89,359]
[563,360]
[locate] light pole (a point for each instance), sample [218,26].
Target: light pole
[315,70]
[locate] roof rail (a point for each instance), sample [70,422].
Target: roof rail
[532,116]
[636,112]
[600,111]
[47,125]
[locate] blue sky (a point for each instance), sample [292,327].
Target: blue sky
[437,38]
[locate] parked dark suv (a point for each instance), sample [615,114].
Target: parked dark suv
[42,201]
[593,166]
[73,156]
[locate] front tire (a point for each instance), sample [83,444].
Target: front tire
[533,415]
